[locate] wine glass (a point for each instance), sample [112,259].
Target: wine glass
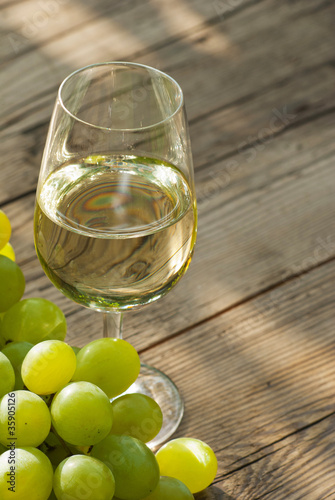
[115,216]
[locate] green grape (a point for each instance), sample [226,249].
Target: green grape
[7,375]
[170,488]
[48,367]
[16,352]
[85,477]
[52,496]
[81,414]
[2,340]
[136,415]
[31,475]
[133,464]
[190,460]
[33,320]
[25,417]
[12,284]
[5,229]
[111,364]
[8,251]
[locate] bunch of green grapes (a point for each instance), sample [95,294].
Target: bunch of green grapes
[5,234]
[27,321]
[67,431]
[12,282]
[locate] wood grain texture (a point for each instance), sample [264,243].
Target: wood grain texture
[258,383]
[248,334]
[250,123]
[269,220]
[28,92]
[32,25]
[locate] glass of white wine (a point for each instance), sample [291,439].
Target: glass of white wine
[115,217]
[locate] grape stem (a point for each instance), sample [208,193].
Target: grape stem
[62,442]
[50,400]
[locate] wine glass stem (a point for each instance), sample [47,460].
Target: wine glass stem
[113,324]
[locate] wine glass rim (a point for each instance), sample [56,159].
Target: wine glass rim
[121,63]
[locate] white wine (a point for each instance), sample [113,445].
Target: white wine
[115,231]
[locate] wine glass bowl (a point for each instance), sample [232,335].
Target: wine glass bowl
[115,217]
[116,233]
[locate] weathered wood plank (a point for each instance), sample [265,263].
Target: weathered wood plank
[237,127]
[234,61]
[248,333]
[300,466]
[272,220]
[30,26]
[140,23]
[28,95]
[8,3]
[256,381]
[248,125]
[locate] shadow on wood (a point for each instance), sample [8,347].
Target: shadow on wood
[213,493]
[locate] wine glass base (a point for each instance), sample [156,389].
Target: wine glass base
[157,385]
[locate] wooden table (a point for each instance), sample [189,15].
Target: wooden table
[248,335]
